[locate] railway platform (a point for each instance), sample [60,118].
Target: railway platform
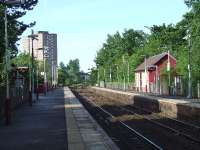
[176,108]
[40,127]
[83,131]
[56,122]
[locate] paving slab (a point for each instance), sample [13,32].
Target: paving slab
[87,134]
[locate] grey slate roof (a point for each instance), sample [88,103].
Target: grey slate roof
[152,61]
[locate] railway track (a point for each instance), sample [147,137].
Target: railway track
[180,128]
[189,125]
[130,138]
[151,131]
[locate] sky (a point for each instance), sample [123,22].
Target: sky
[83,25]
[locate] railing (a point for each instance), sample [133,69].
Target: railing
[118,86]
[131,88]
[18,96]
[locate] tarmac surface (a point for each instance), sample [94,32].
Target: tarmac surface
[58,121]
[40,127]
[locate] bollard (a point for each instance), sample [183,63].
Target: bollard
[7,111]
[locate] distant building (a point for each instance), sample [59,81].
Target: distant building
[154,78]
[47,41]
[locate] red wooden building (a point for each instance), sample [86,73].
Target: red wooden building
[153,75]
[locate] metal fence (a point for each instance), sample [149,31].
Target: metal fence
[120,86]
[2,97]
[18,96]
[131,88]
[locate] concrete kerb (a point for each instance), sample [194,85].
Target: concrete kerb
[83,131]
[73,134]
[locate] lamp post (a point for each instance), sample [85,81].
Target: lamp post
[123,59]
[31,90]
[98,77]
[128,72]
[156,79]
[104,73]
[37,84]
[117,76]
[52,70]
[189,65]
[145,71]
[168,71]
[117,73]
[45,49]
[188,37]
[110,74]
[7,59]
[37,78]
[45,55]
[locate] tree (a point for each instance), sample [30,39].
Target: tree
[62,74]
[69,74]
[22,60]
[93,76]
[73,70]
[135,45]
[15,29]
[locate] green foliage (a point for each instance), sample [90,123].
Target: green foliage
[73,70]
[15,29]
[93,76]
[69,74]
[134,45]
[22,60]
[62,74]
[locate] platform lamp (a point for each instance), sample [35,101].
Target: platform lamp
[7,58]
[117,67]
[188,37]
[145,72]
[123,60]
[37,78]
[189,64]
[98,76]
[31,88]
[45,55]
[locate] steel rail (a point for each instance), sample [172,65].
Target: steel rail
[164,126]
[128,127]
[176,120]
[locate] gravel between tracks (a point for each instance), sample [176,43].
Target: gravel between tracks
[161,136]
